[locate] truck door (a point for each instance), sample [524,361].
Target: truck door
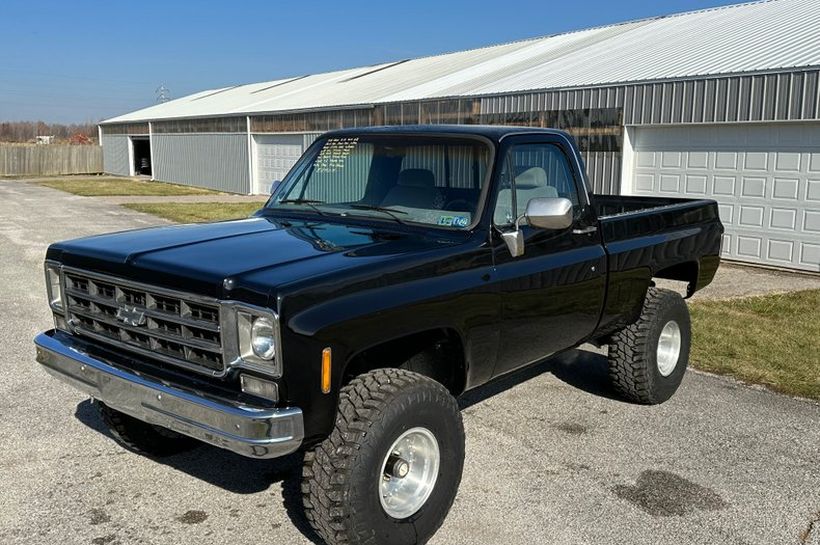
[552,294]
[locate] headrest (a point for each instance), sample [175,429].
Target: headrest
[531,178]
[417,177]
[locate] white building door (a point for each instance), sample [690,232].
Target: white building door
[274,155]
[765,177]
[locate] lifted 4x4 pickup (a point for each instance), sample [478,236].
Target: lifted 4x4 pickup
[392,270]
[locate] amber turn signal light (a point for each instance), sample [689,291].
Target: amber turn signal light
[326,366]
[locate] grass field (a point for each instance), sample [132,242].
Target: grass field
[105,186]
[195,212]
[773,340]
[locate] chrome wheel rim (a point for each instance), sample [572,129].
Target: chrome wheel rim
[669,345]
[409,472]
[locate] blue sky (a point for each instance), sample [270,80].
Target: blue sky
[81,60]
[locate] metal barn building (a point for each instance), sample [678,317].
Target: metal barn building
[721,103]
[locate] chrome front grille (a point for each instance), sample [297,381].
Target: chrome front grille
[179,328]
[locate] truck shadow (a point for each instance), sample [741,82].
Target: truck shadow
[239,475]
[579,368]
[231,472]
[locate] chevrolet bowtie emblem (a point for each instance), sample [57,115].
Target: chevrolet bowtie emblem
[131,316]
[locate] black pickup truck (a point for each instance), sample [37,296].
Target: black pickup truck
[391,270]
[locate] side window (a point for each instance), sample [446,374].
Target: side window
[531,171]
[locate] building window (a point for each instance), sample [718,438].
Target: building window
[211,125]
[125,128]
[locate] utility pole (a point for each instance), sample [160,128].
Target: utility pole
[163,93]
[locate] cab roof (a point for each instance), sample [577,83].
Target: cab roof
[494,133]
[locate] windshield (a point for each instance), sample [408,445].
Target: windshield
[405,179]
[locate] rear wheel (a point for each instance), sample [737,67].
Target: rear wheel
[142,437]
[647,360]
[389,472]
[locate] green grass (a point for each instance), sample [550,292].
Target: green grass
[109,186]
[773,340]
[196,212]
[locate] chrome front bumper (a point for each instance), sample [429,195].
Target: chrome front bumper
[250,431]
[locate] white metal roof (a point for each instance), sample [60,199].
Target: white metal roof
[753,37]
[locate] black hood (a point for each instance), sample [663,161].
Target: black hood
[257,254]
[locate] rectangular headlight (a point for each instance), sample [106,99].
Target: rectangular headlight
[54,286]
[257,343]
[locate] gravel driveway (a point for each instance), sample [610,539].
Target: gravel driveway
[552,457]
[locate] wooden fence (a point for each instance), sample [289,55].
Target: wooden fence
[48,159]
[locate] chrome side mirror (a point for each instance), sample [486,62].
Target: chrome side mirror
[550,213]
[553,213]
[274,185]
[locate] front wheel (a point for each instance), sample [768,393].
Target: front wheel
[647,359]
[390,470]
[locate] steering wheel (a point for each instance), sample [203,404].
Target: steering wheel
[460,205]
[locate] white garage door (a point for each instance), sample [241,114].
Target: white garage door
[766,179]
[274,155]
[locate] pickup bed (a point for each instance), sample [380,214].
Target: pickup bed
[391,270]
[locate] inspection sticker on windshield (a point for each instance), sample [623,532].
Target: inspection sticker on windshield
[453,221]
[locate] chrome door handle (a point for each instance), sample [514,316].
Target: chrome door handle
[584,230]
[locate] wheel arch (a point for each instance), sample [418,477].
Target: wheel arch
[445,360]
[686,271]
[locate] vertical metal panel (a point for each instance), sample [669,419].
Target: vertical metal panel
[796,102]
[657,102]
[786,96]
[309,138]
[216,161]
[667,102]
[629,104]
[744,105]
[770,96]
[709,100]
[783,99]
[645,115]
[732,106]
[756,101]
[603,171]
[688,101]
[115,154]
[810,96]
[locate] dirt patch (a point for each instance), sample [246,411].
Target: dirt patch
[572,428]
[664,494]
[98,516]
[193,517]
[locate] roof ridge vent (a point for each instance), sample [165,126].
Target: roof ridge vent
[379,69]
[278,84]
[217,92]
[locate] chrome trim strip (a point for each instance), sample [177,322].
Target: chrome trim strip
[250,431]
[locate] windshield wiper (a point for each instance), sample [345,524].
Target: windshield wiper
[310,202]
[389,211]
